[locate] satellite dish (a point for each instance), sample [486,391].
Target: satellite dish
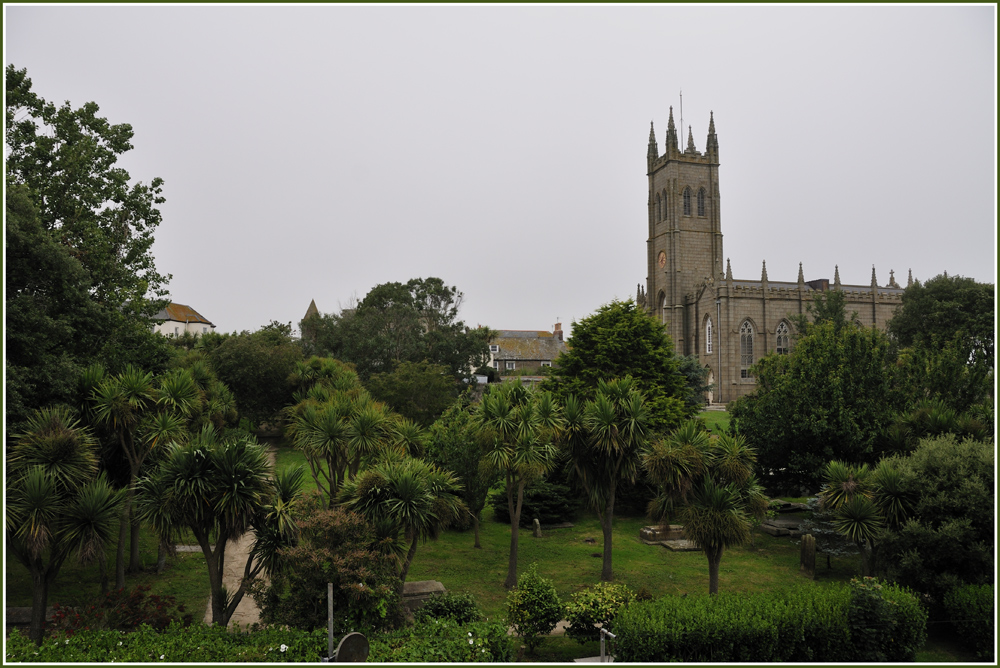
[353,648]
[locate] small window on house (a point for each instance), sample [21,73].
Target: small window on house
[746,349]
[177,331]
[204,330]
[546,363]
[701,201]
[494,348]
[509,366]
[496,365]
[781,339]
[708,335]
[687,201]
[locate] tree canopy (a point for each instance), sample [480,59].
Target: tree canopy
[620,340]
[832,397]
[414,321]
[83,271]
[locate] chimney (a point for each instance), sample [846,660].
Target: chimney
[557,331]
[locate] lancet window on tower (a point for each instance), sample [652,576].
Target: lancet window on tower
[746,349]
[687,201]
[701,201]
[659,209]
[708,335]
[781,339]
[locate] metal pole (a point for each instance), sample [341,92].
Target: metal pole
[329,620]
[609,634]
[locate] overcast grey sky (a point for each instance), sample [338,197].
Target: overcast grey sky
[313,152]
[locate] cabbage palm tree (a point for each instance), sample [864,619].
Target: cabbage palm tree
[518,428]
[57,504]
[220,489]
[417,498]
[709,484]
[604,439]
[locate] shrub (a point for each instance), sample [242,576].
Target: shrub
[805,624]
[120,611]
[444,640]
[592,609]
[972,610]
[197,643]
[549,502]
[533,607]
[460,608]
[886,621]
[339,547]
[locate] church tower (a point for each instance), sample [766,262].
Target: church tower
[684,247]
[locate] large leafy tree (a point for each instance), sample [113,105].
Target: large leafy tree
[518,428]
[221,487]
[256,366]
[945,327]
[832,397]
[401,322]
[621,340]
[56,503]
[604,439]
[83,272]
[708,484]
[419,391]
[453,445]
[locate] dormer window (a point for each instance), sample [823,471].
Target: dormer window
[494,348]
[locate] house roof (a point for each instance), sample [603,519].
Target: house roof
[527,345]
[180,313]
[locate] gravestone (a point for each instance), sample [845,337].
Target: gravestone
[538,528]
[807,556]
[353,648]
[415,593]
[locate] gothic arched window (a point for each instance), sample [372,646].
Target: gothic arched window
[659,209]
[663,308]
[687,201]
[746,349]
[781,339]
[701,201]
[708,335]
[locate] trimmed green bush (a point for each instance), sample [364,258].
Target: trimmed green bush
[806,624]
[592,609]
[867,621]
[533,607]
[460,608]
[886,621]
[972,611]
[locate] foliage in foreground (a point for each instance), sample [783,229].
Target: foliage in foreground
[436,640]
[121,610]
[595,608]
[460,608]
[972,609]
[533,608]
[868,621]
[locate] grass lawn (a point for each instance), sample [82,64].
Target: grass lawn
[716,421]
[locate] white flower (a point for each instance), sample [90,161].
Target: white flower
[67,641]
[283,647]
[470,641]
[161,656]
[470,634]
[119,643]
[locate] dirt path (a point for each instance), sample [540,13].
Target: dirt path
[237,551]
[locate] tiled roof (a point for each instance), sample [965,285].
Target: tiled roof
[180,313]
[527,345]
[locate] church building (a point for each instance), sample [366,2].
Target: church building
[728,323]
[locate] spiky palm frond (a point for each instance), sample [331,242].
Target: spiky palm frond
[858,518]
[842,482]
[90,520]
[55,441]
[714,518]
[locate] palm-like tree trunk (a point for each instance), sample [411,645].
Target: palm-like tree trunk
[475,530]
[412,552]
[39,601]
[714,561]
[515,525]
